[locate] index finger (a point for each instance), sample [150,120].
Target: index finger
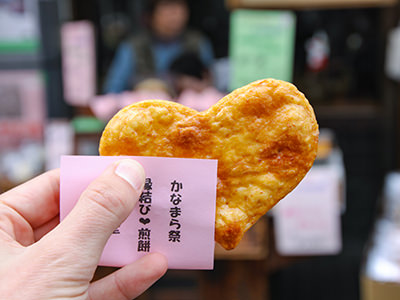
[37,200]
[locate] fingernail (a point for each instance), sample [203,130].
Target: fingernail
[132,172]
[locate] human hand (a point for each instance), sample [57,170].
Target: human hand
[41,259]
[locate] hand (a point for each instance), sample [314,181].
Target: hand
[41,259]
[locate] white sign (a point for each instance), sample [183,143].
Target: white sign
[307,221]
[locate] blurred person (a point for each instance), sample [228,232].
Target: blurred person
[189,72]
[192,82]
[150,53]
[41,258]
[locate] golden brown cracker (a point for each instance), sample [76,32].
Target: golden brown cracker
[264,136]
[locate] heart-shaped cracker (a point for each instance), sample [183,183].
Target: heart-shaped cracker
[264,136]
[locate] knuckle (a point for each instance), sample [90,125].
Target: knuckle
[106,198]
[121,286]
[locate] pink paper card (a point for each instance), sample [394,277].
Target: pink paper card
[175,214]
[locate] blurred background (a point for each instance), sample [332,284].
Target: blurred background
[67,66]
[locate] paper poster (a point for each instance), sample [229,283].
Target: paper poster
[307,221]
[78,62]
[58,141]
[22,107]
[19,26]
[175,214]
[261,46]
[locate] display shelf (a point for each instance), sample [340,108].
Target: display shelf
[348,111]
[19,61]
[308,4]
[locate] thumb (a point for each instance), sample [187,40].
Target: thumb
[102,207]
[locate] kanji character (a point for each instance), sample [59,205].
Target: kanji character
[145,197]
[148,184]
[174,236]
[143,246]
[144,234]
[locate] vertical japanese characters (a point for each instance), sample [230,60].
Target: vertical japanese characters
[144,233]
[175,211]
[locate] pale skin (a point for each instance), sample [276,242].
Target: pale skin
[169,20]
[41,258]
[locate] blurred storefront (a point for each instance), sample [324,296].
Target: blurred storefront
[343,55]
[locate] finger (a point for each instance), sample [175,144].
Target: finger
[37,200]
[130,281]
[39,232]
[102,207]
[15,226]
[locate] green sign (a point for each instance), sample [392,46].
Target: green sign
[261,46]
[26,46]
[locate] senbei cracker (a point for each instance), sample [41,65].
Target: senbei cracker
[264,136]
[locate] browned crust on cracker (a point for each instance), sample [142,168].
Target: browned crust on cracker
[264,136]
